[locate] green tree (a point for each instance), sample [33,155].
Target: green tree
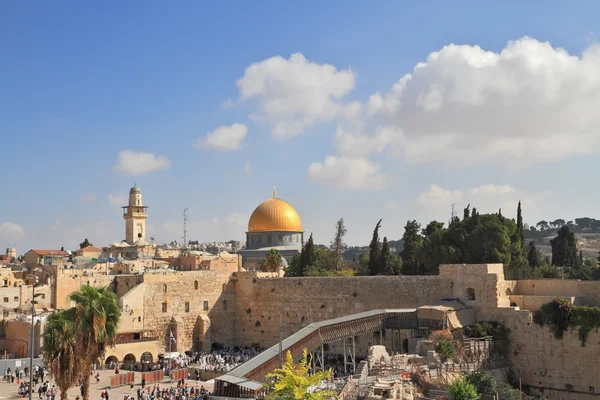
[374,251]
[434,249]
[445,349]
[85,243]
[483,382]
[293,268]
[412,243]
[520,229]
[273,260]
[394,265]
[385,256]
[543,225]
[533,255]
[462,390]
[292,381]
[96,318]
[338,245]
[60,351]
[564,248]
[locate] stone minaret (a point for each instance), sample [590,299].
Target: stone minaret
[135,216]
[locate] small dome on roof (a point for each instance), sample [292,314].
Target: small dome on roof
[140,242]
[135,189]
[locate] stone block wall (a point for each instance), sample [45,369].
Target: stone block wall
[211,302]
[586,292]
[132,310]
[301,301]
[483,281]
[559,369]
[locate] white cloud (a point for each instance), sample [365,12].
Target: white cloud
[117,199]
[359,144]
[231,227]
[347,173]
[11,231]
[295,93]
[137,163]
[224,138]
[437,201]
[247,168]
[439,198]
[528,103]
[87,198]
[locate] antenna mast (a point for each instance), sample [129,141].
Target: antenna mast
[185,218]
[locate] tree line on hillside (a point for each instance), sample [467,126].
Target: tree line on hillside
[545,228]
[473,239]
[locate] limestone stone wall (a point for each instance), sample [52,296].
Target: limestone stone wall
[586,292]
[132,310]
[482,282]
[71,280]
[560,368]
[202,315]
[259,301]
[534,303]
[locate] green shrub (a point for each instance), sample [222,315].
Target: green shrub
[483,382]
[462,390]
[560,315]
[445,349]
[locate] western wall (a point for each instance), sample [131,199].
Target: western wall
[243,309]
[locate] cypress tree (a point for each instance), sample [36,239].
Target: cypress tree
[308,255]
[384,259]
[374,251]
[520,230]
[413,241]
[532,255]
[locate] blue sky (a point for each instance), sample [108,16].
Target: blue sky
[80,83]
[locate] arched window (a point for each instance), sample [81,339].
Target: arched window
[196,285]
[508,292]
[470,292]
[165,288]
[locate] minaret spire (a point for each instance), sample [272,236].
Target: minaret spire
[274,192]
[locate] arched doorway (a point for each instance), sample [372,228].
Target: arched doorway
[470,293]
[111,362]
[146,359]
[128,362]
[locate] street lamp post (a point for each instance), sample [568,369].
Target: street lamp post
[31,339]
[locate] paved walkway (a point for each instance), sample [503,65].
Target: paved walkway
[9,390]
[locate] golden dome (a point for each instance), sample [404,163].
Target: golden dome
[274,215]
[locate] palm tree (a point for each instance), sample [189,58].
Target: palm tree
[60,350]
[96,318]
[293,381]
[273,260]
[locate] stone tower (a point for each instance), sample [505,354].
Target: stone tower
[11,253]
[135,216]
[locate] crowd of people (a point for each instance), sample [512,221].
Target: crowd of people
[336,363]
[219,360]
[183,391]
[225,359]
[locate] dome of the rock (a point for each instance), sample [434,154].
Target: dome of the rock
[274,215]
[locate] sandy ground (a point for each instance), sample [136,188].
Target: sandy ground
[9,390]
